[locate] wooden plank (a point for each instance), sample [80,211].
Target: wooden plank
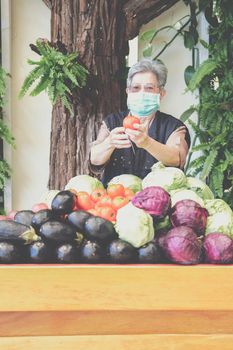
[114,322]
[109,287]
[123,342]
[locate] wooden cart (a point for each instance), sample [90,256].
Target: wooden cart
[105,307]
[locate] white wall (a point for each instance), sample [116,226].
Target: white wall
[30,116]
[175,57]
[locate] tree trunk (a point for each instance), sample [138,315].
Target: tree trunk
[99,31]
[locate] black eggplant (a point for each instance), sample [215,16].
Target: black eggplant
[78,219]
[63,202]
[92,253]
[121,252]
[14,231]
[24,217]
[67,253]
[40,252]
[97,228]
[150,253]
[57,231]
[41,217]
[11,253]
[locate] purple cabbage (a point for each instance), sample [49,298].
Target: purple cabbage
[182,246]
[154,200]
[189,213]
[218,248]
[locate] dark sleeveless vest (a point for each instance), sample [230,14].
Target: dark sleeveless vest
[136,160]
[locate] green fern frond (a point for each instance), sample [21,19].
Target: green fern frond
[71,76]
[196,165]
[216,182]
[30,79]
[205,146]
[5,172]
[5,134]
[205,69]
[51,93]
[187,114]
[67,104]
[208,164]
[41,86]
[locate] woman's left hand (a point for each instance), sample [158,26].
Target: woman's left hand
[140,136]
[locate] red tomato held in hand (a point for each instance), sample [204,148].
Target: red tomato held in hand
[97,194]
[114,190]
[129,122]
[84,201]
[119,202]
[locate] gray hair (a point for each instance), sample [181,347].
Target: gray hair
[147,65]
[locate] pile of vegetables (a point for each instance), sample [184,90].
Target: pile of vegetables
[164,218]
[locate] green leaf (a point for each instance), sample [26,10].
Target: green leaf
[190,38]
[188,74]
[205,69]
[208,164]
[204,44]
[148,35]
[147,52]
[186,114]
[151,34]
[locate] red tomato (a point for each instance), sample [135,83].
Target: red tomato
[3,217]
[105,201]
[119,202]
[93,212]
[129,122]
[84,201]
[97,194]
[107,213]
[39,206]
[114,190]
[129,193]
[11,214]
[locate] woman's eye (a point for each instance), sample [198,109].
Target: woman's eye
[149,88]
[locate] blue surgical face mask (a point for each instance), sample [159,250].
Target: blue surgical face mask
[143,104]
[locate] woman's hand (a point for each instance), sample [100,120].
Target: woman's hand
[118,138]
[140,136]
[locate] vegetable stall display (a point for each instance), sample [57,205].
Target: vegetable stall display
[164,218]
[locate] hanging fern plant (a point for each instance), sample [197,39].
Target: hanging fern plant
[5,134]
[214,79]
[213,138]
[56,72]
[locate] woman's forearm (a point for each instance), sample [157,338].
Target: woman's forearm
[168,155]
[101,152]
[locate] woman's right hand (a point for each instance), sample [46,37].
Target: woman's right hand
[118,138]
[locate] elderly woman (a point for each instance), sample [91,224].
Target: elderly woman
[158,136]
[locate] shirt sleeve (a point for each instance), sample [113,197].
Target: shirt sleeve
[177,139]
